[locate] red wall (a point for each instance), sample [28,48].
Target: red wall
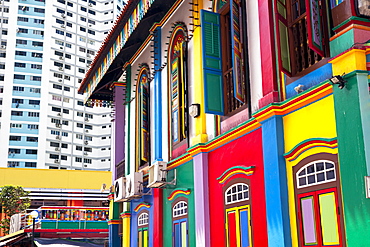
[245,151]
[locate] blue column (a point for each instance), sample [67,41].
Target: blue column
[157,96]
[114,239]
[277,210]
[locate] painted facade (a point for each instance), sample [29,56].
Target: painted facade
[230,129]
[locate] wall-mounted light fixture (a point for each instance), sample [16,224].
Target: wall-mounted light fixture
[337,79]
[194,110]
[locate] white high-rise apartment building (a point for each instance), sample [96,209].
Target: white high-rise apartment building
[46,48]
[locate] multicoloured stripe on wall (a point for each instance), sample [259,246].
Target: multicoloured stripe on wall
[178,192]
[235,170]
[141,205]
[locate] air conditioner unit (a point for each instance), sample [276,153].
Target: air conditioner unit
[57,137]
[157,174]
[134,185]
[90,5]
[85,153]
[62,26]
[60,68]
[24,8]
[56,161]
[57,149]
[3,47]
[58,125]
[88,55]
[60,58]
[86,119]
[60,80]
[63,15]
[18,30]
[59,114]
[86,142]
[120,190]
[87,131]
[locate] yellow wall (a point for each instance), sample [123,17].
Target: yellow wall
[313,121]
[45,178]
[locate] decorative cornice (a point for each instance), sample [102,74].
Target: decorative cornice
[178,192]
[302,147]
[235,170]
[114,222]
[142,205]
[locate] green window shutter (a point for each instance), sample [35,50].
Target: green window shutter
[212,63]
[283,37]
[314,26]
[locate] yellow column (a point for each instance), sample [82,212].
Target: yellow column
[126,218]
[198,92]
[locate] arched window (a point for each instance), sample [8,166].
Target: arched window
[143,229]
[177,85]
[318,201]
[143,219]
[237,193]
[317,172]
[237,212]
[143,115]
[180,222]
[180,209]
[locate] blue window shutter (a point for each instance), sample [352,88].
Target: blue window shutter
[212,63]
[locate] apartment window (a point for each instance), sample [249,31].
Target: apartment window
[54,156]
[22,19]
[38,32]
[31,151]
[36,54]
[37,43]
[64,145]
[88,138]
[34,102]
[15,126]
[4,32]
[69,14]
[65,122]
[35,78]
[2,65]
[91,52]
[69,24]
[60,11]
[2,54]
[30,164]
[67,89]
[69,35]
[38,10]
[56,121]
[91,12]
[17,113]
[19,101]
[81,49]
[66,111]
[38,21]
[14,151]
[33,126]
[58,42]
[17,88]
[65,134]
[34,114]
[57,97]
[79,136]
[70,4]
[36,66]
[21,42]
[81,70]
[22,30]
[32,139]
[80,125]
[20,65]
[83,9]
[59,31]
[88,161]
[88,127]
[78,159]
[56,109]
[83,29]
[57,75]
[61,1]
[89,115]
[20,53]
[23,8]
[55,132]
[15,138]
[91,32]
[67,66]
[87,149]
[80,103]
[35,90]
[63,157]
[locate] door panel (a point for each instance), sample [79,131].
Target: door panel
[231,218]
[238,228]
[328,218]
[244,227]
[308,221]
[180,237]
